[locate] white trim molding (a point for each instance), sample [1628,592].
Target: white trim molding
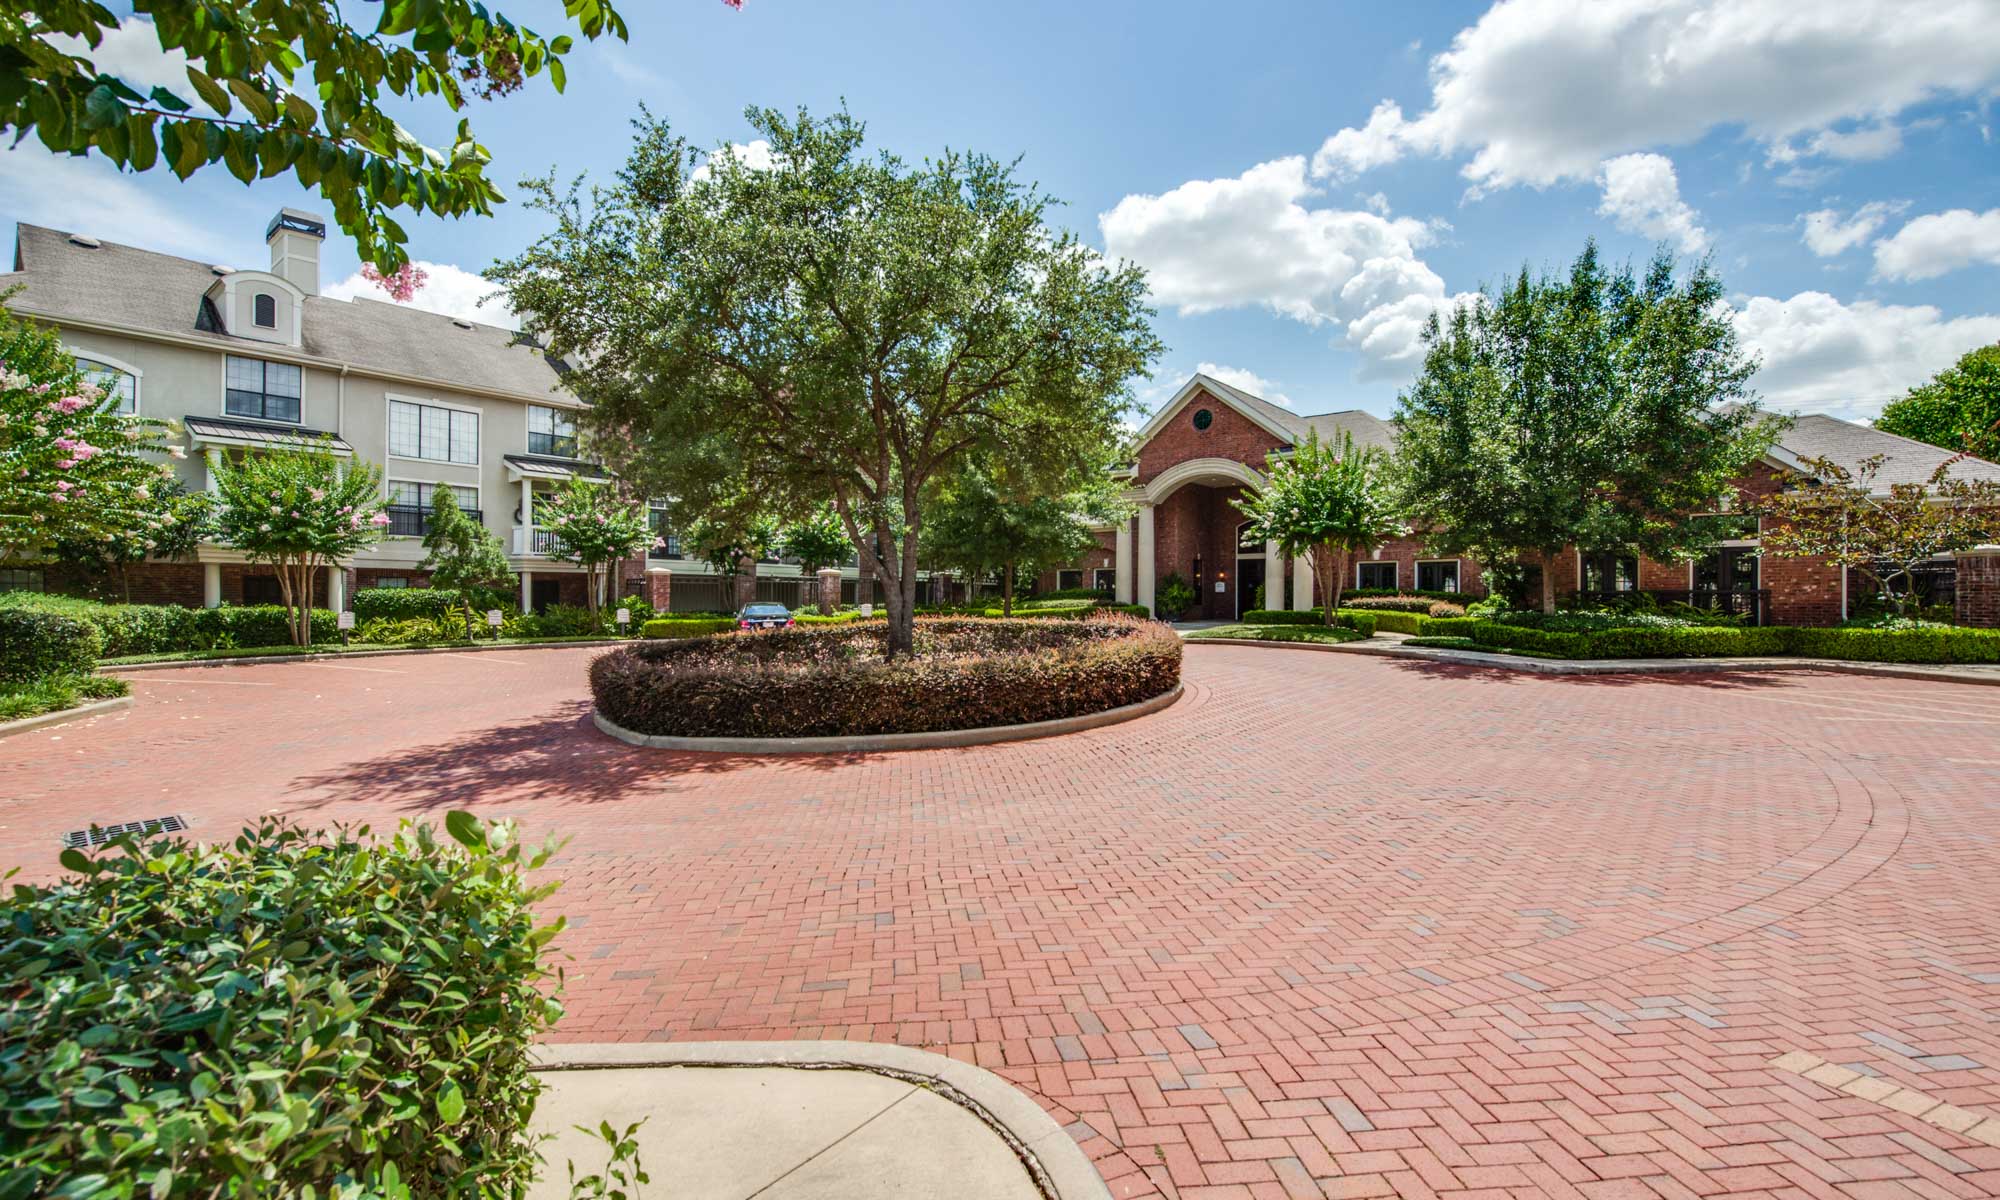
[1222,393]
[1171,480]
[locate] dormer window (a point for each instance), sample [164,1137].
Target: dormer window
[264,310]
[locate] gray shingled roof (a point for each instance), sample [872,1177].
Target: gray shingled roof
[131,288]
[1817,436]
[1367,428]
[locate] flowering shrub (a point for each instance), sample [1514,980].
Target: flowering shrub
[592,528]
[299,510]
[71,468]
[834,680]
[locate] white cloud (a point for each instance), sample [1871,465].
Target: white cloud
[1251,241]
[1542,91]
[756,155]
[90,196]
[1827,233]
[447,289]
[1935,243]
[1642,195]
[131,51]
[1249,381]
[1865,144]
[1821,355]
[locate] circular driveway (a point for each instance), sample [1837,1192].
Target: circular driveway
[1330,925]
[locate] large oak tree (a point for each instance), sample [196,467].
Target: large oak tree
[838,325]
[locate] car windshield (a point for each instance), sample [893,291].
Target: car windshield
[767,610]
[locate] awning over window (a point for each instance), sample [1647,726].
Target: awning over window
[536,466]
[233,431]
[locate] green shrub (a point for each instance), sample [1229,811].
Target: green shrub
[1101,595]
[1363,623]
[814,682]
[1173,597]
[1932,644]
[133,629]
[1398,603]
[687,627]
[412,631]
[402,604]
[257,625]
[35,644]
[845,616]
[1400,622]
[573,620]
[1347,594]
[1442,643]
[294,1013]
[1277,633]
[54,693]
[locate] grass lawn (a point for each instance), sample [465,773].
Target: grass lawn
[1274,633]
[55,693]
[336,648]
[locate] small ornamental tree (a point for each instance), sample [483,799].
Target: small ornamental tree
[729,536]
[1959,409]
[72,470]
[1884,533]
[816,542]
[461,553]
[1325,502]
[174,521]
[593,528]
[299,510]
[978,527]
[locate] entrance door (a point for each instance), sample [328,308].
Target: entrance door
[1249,577]
[1726,578]
[544,592]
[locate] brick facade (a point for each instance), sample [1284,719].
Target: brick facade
[1406,553]
[1978,599]
[1229,435]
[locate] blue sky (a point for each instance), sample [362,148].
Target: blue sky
[1306,183]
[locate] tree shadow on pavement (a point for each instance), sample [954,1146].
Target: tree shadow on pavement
[558,756]
[1720,679]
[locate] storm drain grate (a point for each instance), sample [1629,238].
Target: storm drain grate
[97,835]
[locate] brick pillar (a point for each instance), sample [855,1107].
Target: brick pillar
[827,589]
[746,581]
[659,588]
[1978,587]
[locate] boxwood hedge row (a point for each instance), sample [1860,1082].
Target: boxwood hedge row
[126,629]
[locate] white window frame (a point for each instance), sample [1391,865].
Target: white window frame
[1457,570]
[1101,571]
[1395,571]
[528,433]
[391,399]
[222,408]
[138,376]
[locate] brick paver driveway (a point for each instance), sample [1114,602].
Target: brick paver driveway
[1329,923]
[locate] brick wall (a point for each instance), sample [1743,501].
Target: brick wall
[1979,589]
[1406,552]
[1229,435]
[1804,591]
[1105,555]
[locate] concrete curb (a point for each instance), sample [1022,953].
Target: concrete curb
[1623,666]
[95,707]
[250,660]
[1053,1159]
[865,743]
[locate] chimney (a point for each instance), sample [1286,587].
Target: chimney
[294,237]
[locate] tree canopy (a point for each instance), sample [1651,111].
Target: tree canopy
[980,528]
[1600,409]
[838,325]
[462,554]
[592,526]
[1958,409]
[1325,501]
[292,88]
[299,510]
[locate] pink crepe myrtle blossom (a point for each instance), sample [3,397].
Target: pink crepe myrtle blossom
[402,286]
[379,519]
[70,404]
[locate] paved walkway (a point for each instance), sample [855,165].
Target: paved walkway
[1332,924]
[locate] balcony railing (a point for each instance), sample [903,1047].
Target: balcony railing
[414,520]
[534,541]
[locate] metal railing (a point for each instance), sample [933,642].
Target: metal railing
[534,541]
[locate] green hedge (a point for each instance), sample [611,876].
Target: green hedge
[1955,645]
[35,645]
[1403,622]
[843,617]
[1950,645]
[292,1014]
[1363,623]
[128,629]
[402,604]
[687,627]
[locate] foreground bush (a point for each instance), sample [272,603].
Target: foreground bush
[299,1013]
[35,644]
[54,693]
[832,681]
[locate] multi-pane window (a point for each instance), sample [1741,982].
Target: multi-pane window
[1610,571]
[1375,575]
[656,521]
[551,431]
[1437,576]
[115,382]
[1065,580]
[437,434]
[20,579]
[263,389]
[410,505]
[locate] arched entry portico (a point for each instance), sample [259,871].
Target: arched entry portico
[1187,524]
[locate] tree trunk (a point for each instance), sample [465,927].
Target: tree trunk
[1007,591]
[1548,583]
[590,588]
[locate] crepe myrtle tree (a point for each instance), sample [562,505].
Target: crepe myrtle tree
[836,325]
[1595,409]
[174,522]
[299,510]
[72,469]
[817,541]
[461,553]
[1326,502]
[593,527]
[732,537]
[1882,532]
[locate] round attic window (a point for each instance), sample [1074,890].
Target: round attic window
[1203,418]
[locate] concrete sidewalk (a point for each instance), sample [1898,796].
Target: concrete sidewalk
[784,1121]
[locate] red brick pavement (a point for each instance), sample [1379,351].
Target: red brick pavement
[1331,925]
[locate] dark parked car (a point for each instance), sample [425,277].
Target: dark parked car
[764,616]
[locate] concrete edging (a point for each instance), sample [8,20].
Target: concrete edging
[1053,1160]
[42,721]
[1942,673]
[251,660]
[870,742]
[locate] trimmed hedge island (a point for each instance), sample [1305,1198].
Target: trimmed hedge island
[832,681]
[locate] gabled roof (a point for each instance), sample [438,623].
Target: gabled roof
[1282,423]
[1815,435]
[124,287]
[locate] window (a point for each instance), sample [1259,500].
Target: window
[266,390]
[1376,575]
[1437,576]
[1203,418]
[431,433]
[122,384]
[1105,579]
[264,310]
[1610,571]
[391,581]
[551,431]
[410,505]
[20,579]
[1065,580]
[656,521]
[262,589]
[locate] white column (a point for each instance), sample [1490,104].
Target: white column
[1123,562]
[528,513]
[1302,583]
[1274,576]
[1145,572]
[527,591]
[211,585]
[336,587]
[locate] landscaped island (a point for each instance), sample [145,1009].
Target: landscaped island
[834,681]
